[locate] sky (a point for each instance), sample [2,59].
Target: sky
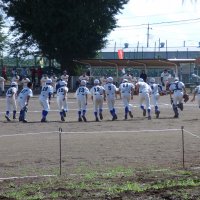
[175,23]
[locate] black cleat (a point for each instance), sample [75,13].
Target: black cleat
[43,120]
[14,117]
[8,119]
[24,120]
[80,119]
[125,117]
[64,113]
[97,119]
[144,112]
[149,117]
[62,119]
[100,116]
[130,114]
[157,113]
[176,116]
[84,118]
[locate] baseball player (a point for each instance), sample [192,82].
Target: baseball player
[65,76]
[178,90]
[103,80]
[2,84]
[126,90]
[155,95]
[84,77]
[82,98]
[16,79]
[45,98]
[196,92]
[110,90]
[62,99]
[25,81]
[165,77]
[54,82]
[98,96]
[144,95]
[43,80]
[23,100]
[11,101]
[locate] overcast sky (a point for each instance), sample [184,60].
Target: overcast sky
[169,20]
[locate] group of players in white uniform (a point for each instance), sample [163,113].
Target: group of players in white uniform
[100,92]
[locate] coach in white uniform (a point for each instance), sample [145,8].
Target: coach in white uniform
[62,99]
[178,90]
[144,95]
[155,95]
[82,97]
[11,101]
[196,92]
[98,96]
[126,90]
[44,98]
[111,90]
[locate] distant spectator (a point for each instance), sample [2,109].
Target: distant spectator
[23,72]
[143,75]
[33,73]
[84,77]
[13,72]
[65,76]
[4,72]
[39,74]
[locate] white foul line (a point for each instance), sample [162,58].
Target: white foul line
[23,177]
[192,134]
[122,131]
[24,134]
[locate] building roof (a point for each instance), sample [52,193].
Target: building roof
[129,62]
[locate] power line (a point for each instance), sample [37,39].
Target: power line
[158,23]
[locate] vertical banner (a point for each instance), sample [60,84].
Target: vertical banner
[120,54]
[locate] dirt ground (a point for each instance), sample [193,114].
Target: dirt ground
[33,148]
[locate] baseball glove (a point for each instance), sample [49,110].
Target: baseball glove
[186,98]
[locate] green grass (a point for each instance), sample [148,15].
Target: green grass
[113,181]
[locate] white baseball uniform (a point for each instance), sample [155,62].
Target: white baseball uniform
[46,92]
[54,82]
[177,89]
[11,101]
[65,77]
[62,99]
[166,76]
[155,93]
[144,95]
[97,93]
[197,91]
[25,81]
[126,89]
[43,81]
[23,95]
[81,94]
[110,90]
[2,83]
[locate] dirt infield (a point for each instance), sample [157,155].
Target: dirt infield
[33,148]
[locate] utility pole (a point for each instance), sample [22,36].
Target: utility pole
[148,35]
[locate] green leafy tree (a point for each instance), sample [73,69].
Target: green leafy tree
[2,35]
[63,30]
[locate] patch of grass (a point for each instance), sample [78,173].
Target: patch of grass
[113,181]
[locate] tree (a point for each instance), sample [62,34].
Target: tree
[2,36]
[63,30]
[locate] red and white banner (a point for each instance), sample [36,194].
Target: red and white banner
[120,54]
